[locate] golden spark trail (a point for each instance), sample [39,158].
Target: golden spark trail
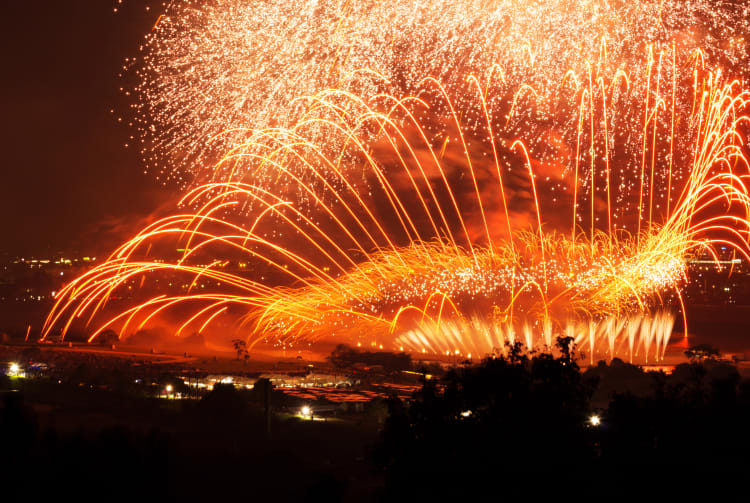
[386,240]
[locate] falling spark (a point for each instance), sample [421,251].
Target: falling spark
[387,240]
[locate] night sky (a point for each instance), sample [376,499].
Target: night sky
[69,184]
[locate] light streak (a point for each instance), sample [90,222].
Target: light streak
[403,194]
[394,280]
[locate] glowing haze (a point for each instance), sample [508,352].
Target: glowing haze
[443,177]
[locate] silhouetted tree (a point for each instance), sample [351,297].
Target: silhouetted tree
[224,402]
[240,347]
[701,352]
[507,413]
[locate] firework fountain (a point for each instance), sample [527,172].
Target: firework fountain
[552,180]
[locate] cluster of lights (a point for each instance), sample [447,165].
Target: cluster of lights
[15,370]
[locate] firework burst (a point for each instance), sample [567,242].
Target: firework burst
[431,225]
[213,73]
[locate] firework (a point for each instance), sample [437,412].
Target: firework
[408,232]
[213,73]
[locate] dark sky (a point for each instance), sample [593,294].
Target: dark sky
[68,182]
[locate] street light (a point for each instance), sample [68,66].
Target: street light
[307,411]
[595,420]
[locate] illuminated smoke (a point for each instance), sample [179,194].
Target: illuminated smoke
[391,235]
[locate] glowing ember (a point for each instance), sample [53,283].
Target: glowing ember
[558,190]
[211,71]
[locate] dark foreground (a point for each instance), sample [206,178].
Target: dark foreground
[521,425]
